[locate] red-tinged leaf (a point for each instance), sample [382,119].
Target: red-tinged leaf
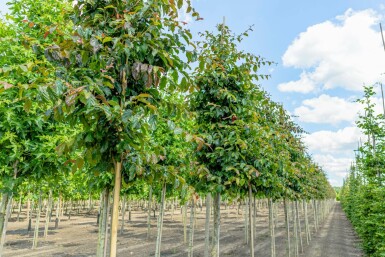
[69,161]
[46,34]
[104,100]
[6,84]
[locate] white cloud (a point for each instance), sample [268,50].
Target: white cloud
[304,85]
[345,53]
[337,167]
[343,141]
[327,109]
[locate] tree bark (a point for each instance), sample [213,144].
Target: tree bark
[115,209]
[123,213]
[149,213]
[184,223]
[299,225]
[246,223]
[287,225]
[103,223]
[19,209]
[251,222]
[207,225]
[192,219]
[271,226]
[295,230]
[217,226]
[48,210]
[36,232]
[5,210]
[160,222]
[307,230]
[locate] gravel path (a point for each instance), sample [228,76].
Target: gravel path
[336,238]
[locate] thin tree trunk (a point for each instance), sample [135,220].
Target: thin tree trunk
[315,216]
[271,226]
[103,223]
[217,226]
[299,226]
[207,225]
[251,222]
[160,222]
[36,233]
[115,209]
[246,223]
[185,223]
[255,216]
[48,210]
[19,210]
[308,235]
[295,231]
[108,222]
[5,211]
[123,213]
[149,213]
[28,208]
[90,206]
[287,225]
[192,219]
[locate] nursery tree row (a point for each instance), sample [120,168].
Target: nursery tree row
[363,192]
[100,97]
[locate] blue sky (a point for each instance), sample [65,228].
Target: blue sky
[325,51]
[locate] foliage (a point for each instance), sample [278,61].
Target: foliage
[363,191]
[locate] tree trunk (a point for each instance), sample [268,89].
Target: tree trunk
[57,213]
[115,209]
[90,206]
[246,223]
[299,225]
[184,223]
[36,233]
[19,210]
[207,225]
[149,213]
[108,222]
[103,223]
[160,222]
[315,216]
[287,225]
[28,208]
[255,217]
[6,197]
[123,213]
[251,222]
[5,211]
[217,226]
[192,219]
[307,230]
[271,226]
[295,230]
[48,210]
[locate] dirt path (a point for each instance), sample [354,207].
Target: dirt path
[78,237]
[336,238]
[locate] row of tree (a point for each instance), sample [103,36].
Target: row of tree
[363,191]
[99,96]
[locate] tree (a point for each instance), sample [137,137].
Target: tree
[120,52]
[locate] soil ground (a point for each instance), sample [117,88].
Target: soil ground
[77,237]
[336,238]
